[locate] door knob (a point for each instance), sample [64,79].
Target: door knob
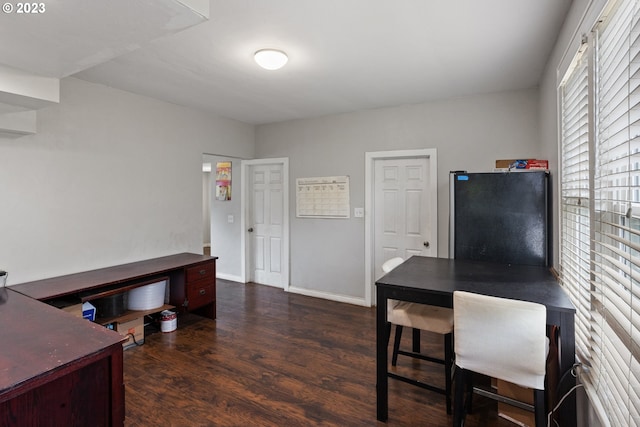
[250,230]
[426,244]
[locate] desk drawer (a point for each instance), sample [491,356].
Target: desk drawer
[200,293]
[201,271]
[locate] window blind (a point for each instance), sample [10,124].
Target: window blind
[575,199]
[614,344]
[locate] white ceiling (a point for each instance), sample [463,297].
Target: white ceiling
[344,55]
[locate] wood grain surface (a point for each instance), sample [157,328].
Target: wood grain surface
[278,359]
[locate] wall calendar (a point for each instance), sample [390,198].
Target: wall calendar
[322,197]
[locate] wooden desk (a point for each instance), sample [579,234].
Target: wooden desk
[192,281]
[433,281]
[57,369]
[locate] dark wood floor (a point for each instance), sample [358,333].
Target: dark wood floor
[277,359]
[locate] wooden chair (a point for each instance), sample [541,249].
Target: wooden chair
[426,318]
[500,338]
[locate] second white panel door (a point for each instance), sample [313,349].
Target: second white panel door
[266,189]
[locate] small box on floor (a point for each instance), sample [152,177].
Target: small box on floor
[134,327]
[75,309]
[69,304]
[517,416]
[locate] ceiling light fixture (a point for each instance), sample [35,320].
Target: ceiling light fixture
[271,59]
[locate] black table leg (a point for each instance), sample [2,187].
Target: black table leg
[382,382]
[567,412]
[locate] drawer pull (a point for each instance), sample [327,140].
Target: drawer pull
[202,291]
[203,272]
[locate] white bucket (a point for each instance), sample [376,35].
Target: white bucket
[147,297]
[168,321]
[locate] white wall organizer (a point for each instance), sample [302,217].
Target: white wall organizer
[322,197]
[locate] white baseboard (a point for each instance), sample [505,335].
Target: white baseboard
[270,285]
[302,291]
[231,277]
[328,296]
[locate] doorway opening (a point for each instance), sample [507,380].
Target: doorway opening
[221,215]
[206,208]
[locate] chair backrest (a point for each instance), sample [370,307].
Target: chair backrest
[391,264]
[501,338]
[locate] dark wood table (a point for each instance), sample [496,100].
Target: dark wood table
[57,369]
[433,281]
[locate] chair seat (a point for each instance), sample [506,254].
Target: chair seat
[420,316]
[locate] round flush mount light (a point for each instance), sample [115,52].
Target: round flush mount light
[271,59]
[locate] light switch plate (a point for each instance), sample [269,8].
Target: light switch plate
[229,219]
[358,212]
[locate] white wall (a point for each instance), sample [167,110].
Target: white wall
[110,177]
[468,133]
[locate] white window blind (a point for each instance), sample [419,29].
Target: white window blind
[575,236]
[614,344]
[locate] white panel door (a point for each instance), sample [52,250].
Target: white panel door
[266,224]
[402,212]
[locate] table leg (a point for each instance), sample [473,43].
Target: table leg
[567,412]
[416,340]
[382,381]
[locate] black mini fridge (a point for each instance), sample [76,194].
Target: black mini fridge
[500,217]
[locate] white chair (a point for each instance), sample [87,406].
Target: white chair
[500,338]
[420,317]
